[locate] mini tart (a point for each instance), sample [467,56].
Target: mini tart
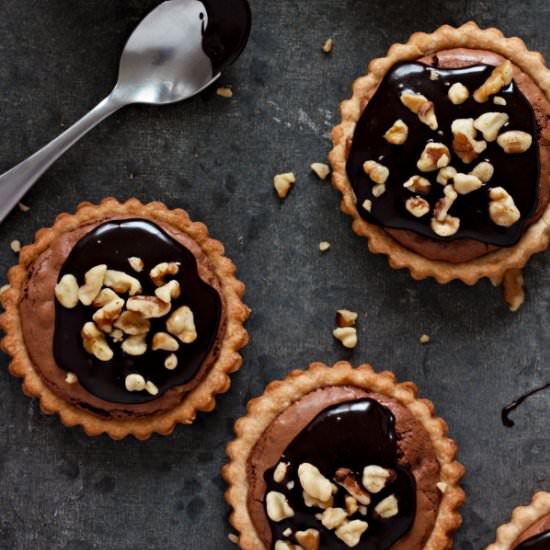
[529,528]
[41,334]
[275,426]
[465,258]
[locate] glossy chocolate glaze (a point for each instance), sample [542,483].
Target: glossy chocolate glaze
[518,174]
[538,542]
[113,243]
[505,414]
[227,31]
[350,435]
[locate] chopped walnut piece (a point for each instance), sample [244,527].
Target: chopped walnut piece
[322,170]
[105,317]
[277,507]
[168,292]
[466,183]
[489,124]
[442,486]
[284,545]
[71,378]
[66,291]
[387,508]
[367,205]
[347,336]
[418,184]
[332,518]
[104,297]
[346,318]
[458,93]
[95,343]
[159,273]
[398,133]
[132,323]
[136,264]
[464,142]
[417,206]
[346,479]
[498,100]
[310,539]
[328,45]
[15,246]
[324,246]
[310,502]
[363,510]
[135,345]
[512,288]
[151,388]
[377,172]
[182,324]
[443,205]
[445,174]
[134,382]
[23,207]
[434,156]
[442,223]
[116,335]
[350,533]
[163,341]
[150,307]
[434,75]
[225,91]
[500,77]
[502,208]
[314,483]
[351,505]
[283,183]
[280,471]
[287,532]
[375,478]
[447,227]
[94,279]
[424,339]
[171,362]
[484,171]
[421,106]
[515,142]
[378,190]
[122,282]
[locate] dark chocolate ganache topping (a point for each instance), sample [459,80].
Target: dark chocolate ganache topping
[113,243]
[538,542]
[350,436]
[518,174]
[226,32]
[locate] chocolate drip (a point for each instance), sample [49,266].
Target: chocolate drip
[113,243]
[518,174]
[227,31]
[350,435]
[538,542]
[505,414]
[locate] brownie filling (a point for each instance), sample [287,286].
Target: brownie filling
[100,386]
[112,244]
[517,173]
[349,436]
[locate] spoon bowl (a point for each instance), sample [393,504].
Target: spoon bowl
[177,51]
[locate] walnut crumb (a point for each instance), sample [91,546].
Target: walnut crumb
[512,288]
[283,183]
[24,207]
[324,246]
[328,45]
[321,169]
[225,91]
[424,339]
[16,246]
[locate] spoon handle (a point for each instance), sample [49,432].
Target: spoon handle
[17,181]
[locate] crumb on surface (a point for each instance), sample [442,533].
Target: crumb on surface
[16,246]
[225,91]
[24,207]
[328,45]
[324,246]
[283,183]
[233,538]
[424,339]
[512,289]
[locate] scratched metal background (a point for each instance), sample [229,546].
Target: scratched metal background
[216,157]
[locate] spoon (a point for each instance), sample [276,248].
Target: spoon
[177,51]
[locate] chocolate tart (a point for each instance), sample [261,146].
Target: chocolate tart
[339,457]
[424,158]
[124,318]
[529,528]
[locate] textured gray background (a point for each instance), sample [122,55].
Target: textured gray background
[216,158]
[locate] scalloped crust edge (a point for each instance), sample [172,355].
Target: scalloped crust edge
[202,398]
[492,265]
[281,394]
[522,518]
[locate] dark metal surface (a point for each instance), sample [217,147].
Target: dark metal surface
[216,158]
